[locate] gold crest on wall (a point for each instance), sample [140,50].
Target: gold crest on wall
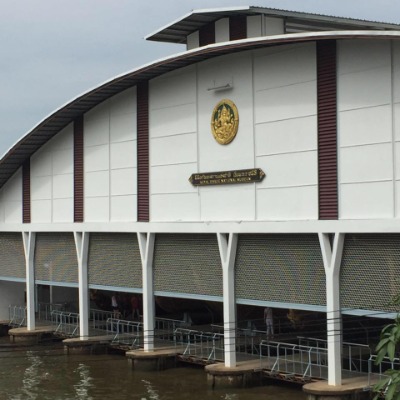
[225,121]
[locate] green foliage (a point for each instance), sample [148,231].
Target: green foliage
[387,347]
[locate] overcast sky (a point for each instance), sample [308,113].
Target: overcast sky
[54,50]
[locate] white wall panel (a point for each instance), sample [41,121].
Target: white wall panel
[172,179]
[274,26]
[41,188]
[396,119]
[297,100]
[290,135]
[365,126]
[12,198]
[290,65]
[366,88]
[63,186]
[254,26]
[63,210]
[123,155]
[97,184]
[292,169]
[173,89]
[41,163]
[182,149]
[124,181]
[175,207]
[228,203]
[359,55]
[97,125]
[173,120]
[123,127]
[63,162]
[97,209]
[366,200]
[222,30]
[366,163]
[41,210]
[123,208]
[397,160]
[290,203]
[239,154]
[97,158]
[123,103]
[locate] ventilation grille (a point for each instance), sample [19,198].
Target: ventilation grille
[12,259]
[55,258]
[188,264]
[370,272]
[114,260]
[78,170]
[281,268]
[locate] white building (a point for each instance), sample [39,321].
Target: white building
[98,194]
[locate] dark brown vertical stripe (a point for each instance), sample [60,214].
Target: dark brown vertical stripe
[327,130]
[238,27]
[207,34]
[78,170]
[143,151]
[26,192]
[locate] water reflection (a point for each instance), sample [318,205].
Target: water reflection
[84,384]
[46,373]
[153,394]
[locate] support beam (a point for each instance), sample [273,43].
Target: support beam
[29,239]
[146,246]
[332,259]
[227,249]
[82,252]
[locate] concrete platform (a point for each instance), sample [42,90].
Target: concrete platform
[245,374]
[352,388]
[23,336]
[156,360]
[91,345]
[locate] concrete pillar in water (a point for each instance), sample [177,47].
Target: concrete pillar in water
[332,258]
[82,250]
[29,239]
[227,249]
[146,246]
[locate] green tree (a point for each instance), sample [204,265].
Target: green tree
[388,347]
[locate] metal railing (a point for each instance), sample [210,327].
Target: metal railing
[205,345]
[45,310]
[17,315]
[305,362]
[378,372]
[128,333]
[66,323]
[354,355]
[165,328]
[98,319]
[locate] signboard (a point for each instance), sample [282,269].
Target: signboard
[227,177]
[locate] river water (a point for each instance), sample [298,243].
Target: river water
[45,373]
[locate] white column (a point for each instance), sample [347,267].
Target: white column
[227,249]
[29,239]
[332,259]
[82,250]
[146,246]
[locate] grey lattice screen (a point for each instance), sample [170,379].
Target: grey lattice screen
[370,271]
[55,258]
[187,264]
[281,268]
[12,258]
[114,260]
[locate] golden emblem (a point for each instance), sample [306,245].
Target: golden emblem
[224,121]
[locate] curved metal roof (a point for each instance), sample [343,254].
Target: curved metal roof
[296,21]
[51,125]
